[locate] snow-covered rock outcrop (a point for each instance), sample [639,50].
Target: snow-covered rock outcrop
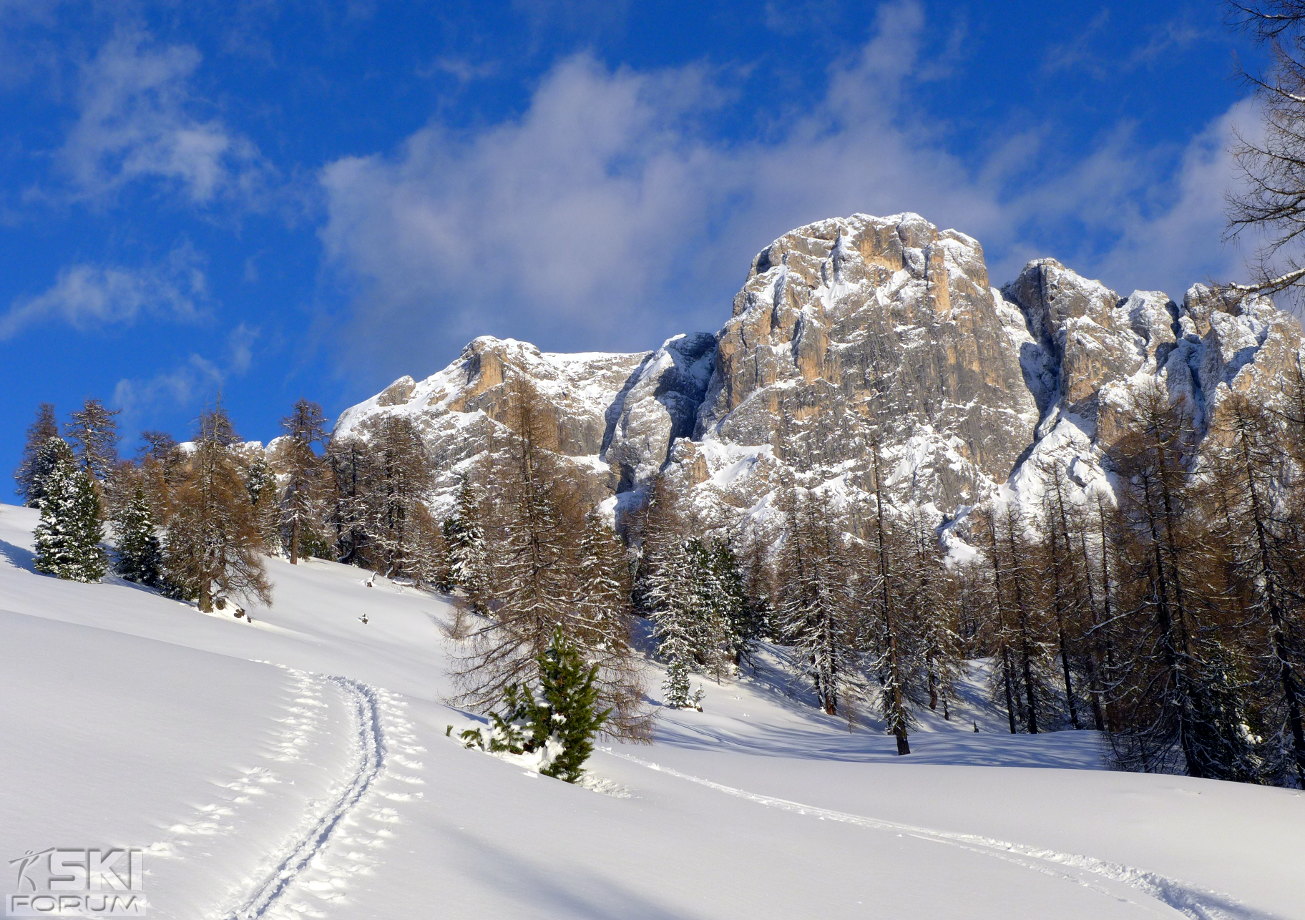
[859,331]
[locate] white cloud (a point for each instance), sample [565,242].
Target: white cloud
[89,296]
[610,215]
[139,121]
[196,380]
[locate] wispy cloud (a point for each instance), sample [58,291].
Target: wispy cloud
[90,296]
[1093,50]
[610,214]
[140,121]
[196,380]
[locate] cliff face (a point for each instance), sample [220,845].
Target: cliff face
[856,335]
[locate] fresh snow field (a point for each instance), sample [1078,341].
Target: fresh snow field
[298,768]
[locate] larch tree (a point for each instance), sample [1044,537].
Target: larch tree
[349,462]
[1014,630]
[1260,536]
[817,615]
[1269,202]
[1175,673]
[889,620]
[399,478]
[212,548]
[93,432]
[32,469]
[534,536]
[931,596]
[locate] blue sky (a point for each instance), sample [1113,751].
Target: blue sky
[278,200]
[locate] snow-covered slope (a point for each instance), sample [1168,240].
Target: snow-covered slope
[298,768]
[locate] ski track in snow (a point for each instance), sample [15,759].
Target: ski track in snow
[1173,896]
[304,869]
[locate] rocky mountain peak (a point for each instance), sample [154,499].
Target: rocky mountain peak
[857,334]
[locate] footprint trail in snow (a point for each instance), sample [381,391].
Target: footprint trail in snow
[1174,896]
[318,862]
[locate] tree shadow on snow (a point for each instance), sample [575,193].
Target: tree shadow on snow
[565,888]
[17,556]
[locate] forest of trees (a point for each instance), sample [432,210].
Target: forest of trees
[1167,613]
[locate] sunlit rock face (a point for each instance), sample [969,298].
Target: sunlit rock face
[853,337]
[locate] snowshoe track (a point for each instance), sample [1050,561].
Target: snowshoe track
[371,754]
[1180,897]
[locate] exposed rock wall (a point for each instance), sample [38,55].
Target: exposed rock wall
[855,332]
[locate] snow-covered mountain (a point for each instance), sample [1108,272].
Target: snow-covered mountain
[855,331]
[297,767]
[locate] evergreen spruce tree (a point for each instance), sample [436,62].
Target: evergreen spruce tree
[32,469]
[676,623]
[140,554]
[71,527]
[260,485]
[715,609]
[464,536]
[53,452]
[558,715]
[742,624]
[568,706]
[301,511]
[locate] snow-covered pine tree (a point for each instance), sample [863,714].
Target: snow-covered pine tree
[556,717]
[604,624]
[301,510]
[715,609]
[212,547]
[742,624]
[33,469]
[464,536]
[568,701]
[140,554]
[71,528]
[93,432]
[673,605]
[260,485]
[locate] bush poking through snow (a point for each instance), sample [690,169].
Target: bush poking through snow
[553,723]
